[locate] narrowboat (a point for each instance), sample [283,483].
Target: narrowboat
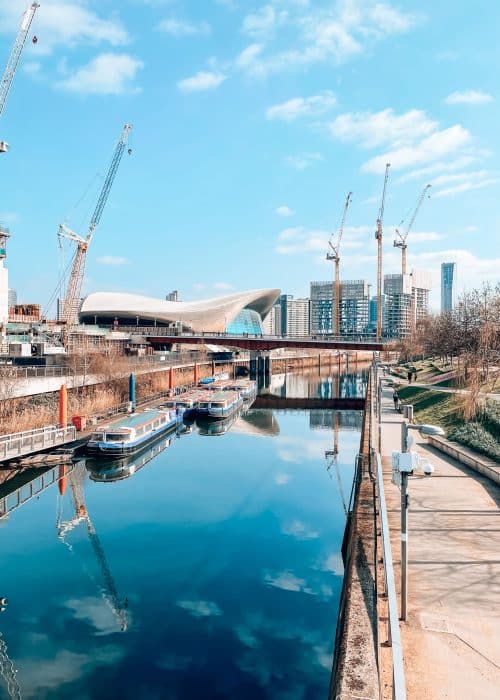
[111,470]
[131,433]
[219,405]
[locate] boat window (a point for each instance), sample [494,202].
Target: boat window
[116,436]
[139,431]
[97,437]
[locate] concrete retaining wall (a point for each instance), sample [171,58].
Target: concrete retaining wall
[482,465]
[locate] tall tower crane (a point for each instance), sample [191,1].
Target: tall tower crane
[400,240]
[15,55]
[378,237]
[334,254]
[74,288]
[109,591]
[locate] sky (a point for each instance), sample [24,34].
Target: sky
[251,123]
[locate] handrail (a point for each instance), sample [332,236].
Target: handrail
[394,633]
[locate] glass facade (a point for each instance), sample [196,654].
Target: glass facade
[247,321]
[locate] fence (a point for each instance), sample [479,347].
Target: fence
[37,440]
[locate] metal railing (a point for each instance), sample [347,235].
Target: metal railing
[37,440]
[33,371]
[393,628]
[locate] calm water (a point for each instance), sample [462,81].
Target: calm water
[220,557]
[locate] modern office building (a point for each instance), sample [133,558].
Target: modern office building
[173,296]
[241,312]
[372,322]
[321,308]
[448,286]
[295,315]
[421,286]
[354,306]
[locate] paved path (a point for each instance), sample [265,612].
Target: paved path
[451,640]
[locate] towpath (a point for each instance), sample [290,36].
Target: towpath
[451,640]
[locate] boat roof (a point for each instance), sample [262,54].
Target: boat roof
[133,420]
[221,396]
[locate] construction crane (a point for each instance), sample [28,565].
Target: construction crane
[74,288]
[12,63]
[109,591]
[378,237]
[400,240]
[334,254]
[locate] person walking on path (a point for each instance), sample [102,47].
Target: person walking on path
[395,398]
[410,374]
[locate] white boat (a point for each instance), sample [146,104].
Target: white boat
[220,405]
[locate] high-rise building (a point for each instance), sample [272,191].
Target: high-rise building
[448,286]
[4,276]
[421,284]
[271,325]
[398,291]
[321,308]
[172,296]
[295,315]
[354,306]
[372,322]
[12,296]
[407,302]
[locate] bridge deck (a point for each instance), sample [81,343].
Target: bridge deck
[451,642]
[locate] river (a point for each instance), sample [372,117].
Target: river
[210,569]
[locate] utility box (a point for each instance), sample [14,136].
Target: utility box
[80,422]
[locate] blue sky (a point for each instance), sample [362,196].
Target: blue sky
[252,121]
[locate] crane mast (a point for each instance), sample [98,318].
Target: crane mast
[378,237]
[15,55]
[334,254]
[400,240]
[69,312]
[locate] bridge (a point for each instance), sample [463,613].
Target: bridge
[260,343]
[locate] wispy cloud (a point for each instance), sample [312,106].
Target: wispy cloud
[302,107]
[303,160]
[112,260]
[469,183]
[469,97]
[180,28]
[203,80]
[106,74]
[284,211]
[200,608]
[64,23]
[222,285]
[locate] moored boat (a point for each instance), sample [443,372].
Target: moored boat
[131,433]
[221,404]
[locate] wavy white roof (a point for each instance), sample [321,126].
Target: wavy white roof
[204,315]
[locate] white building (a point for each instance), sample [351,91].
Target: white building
[295,315]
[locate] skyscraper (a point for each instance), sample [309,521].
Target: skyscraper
[321,308]
[448,279]
[294,315]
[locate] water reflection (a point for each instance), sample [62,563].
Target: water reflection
[324,386]
[224,556]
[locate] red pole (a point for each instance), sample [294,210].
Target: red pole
[62,479]
[63,406]
[195,373]
[171,378]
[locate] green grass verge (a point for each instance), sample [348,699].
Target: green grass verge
[438,408]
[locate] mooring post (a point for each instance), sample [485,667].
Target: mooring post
[63,406]
[131,392]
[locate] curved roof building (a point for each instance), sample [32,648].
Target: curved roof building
[234,313]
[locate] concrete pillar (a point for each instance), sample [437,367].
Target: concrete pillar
[171,378]
[213,367]
[195,373]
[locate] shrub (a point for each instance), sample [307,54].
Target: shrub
[476,436]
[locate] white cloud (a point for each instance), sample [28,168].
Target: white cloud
[112,260]
[64,23]
[424,236]
[260,23]
[469,97]
[222,285]
[299,530]
[370,129]
[203,80]
[248,56]
[106,74]
[200,608]
[469,184]
[284,211]
[438,145]
[180,28]
[287,581]
[439,167]
[281,479]
[297,239]
[303,161]
[302,107]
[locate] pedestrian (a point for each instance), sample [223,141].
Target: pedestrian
[415,375]
[409,376]
[395,398]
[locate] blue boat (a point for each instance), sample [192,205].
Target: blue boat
[131,433]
